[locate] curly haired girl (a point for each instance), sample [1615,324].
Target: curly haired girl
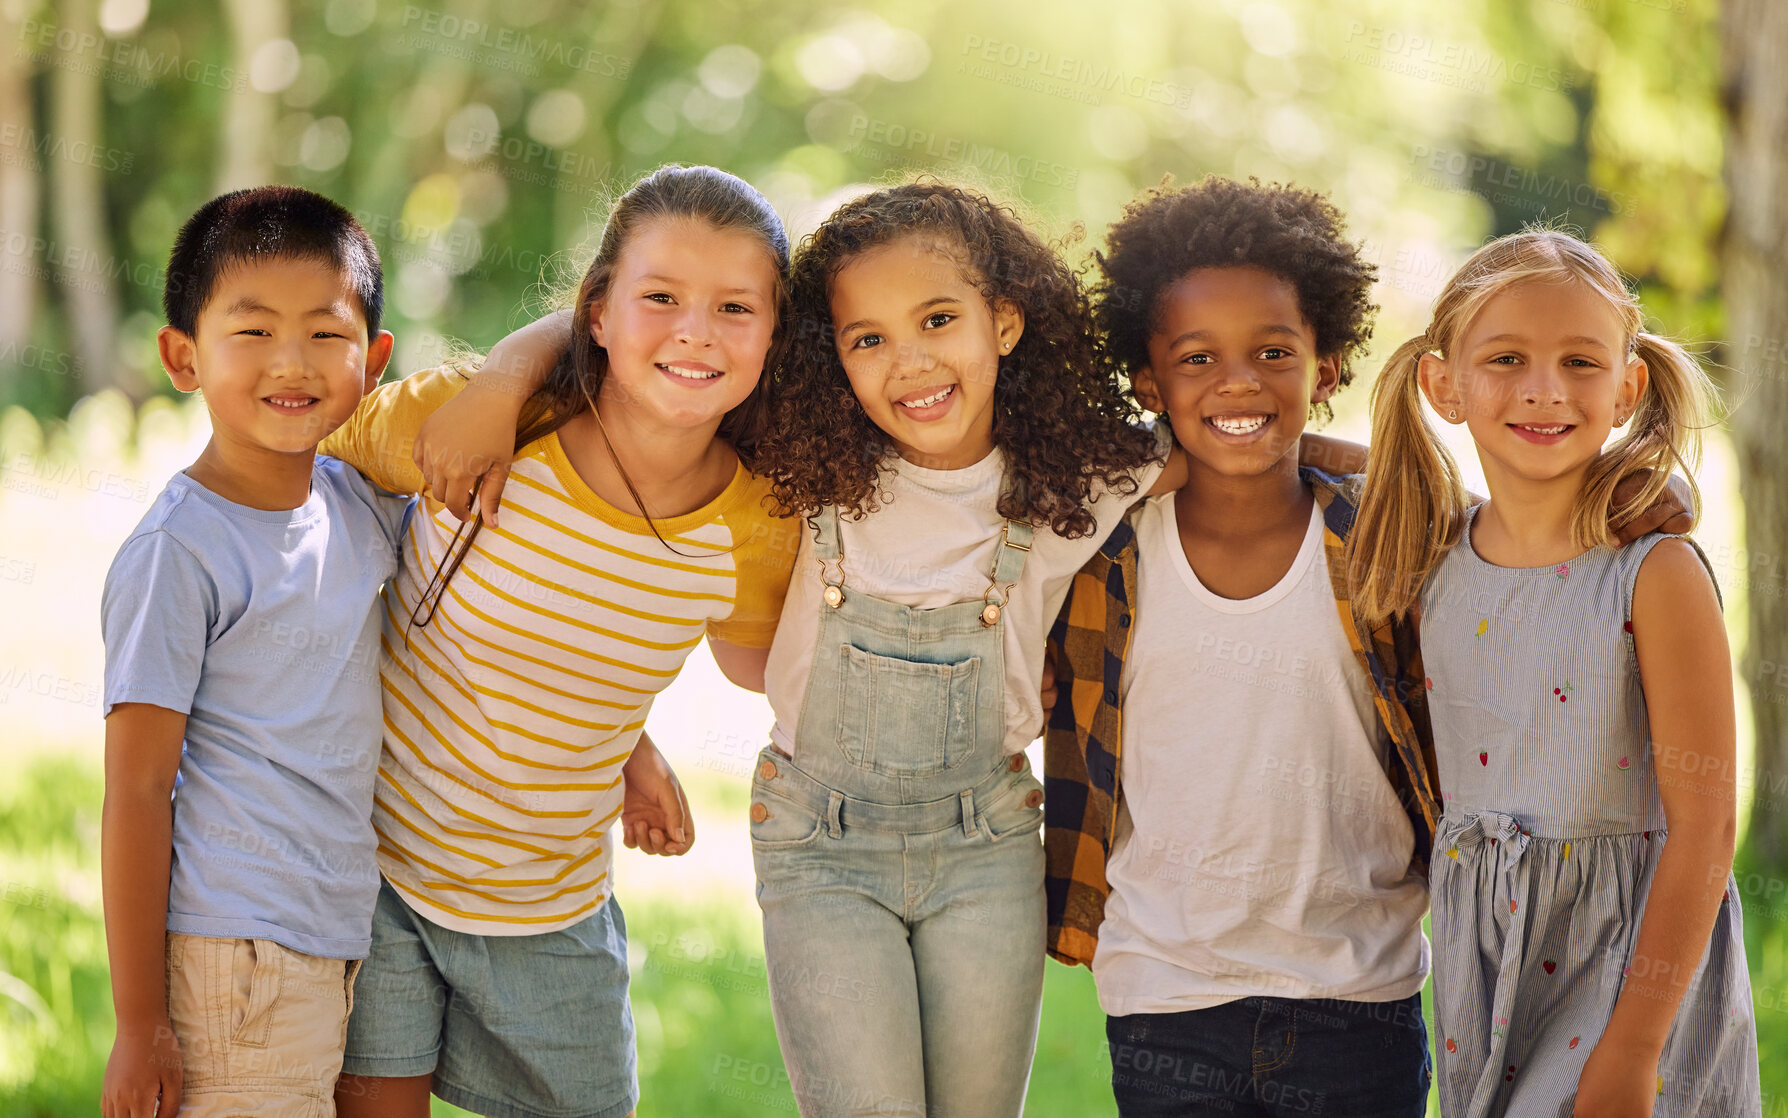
[943,397]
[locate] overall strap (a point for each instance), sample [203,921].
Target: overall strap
[1015,548]
[825,533]
[828,550]
[1008,564]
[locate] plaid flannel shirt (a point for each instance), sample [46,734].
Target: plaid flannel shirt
[1083,741]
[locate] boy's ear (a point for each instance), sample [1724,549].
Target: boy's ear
[1148,394]
[378,355]
[1008,324]
[179,356]
[1328,378]
[1436,379]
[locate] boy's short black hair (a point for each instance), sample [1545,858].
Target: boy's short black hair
[1221,223]
[266,223]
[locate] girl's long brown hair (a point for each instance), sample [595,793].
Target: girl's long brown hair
[1412,510]
[704,194]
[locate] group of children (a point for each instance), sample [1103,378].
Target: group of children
[1293,692]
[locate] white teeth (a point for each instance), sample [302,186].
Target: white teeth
[1235,425]
[690,374]
[294,404]
[1556,430]
[929,400]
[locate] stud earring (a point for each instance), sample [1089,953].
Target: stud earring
[1452,414]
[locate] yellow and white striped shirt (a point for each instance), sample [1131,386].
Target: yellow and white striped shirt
[508,717]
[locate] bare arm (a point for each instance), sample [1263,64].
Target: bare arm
[472,436]
[1686,670]
[744,666]
[136,848]
[655,815]
[1672,512]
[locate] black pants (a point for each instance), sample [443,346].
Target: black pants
[1273,1058]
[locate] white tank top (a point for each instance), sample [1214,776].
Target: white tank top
[1260,846]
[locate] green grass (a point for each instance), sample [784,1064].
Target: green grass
[706,1042]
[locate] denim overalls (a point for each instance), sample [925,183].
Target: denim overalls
[898,864]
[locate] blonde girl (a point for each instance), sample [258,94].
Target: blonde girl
[1588,947]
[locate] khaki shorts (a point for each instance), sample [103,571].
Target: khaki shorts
[261,1027]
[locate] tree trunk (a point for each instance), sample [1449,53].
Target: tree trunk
[1755,92]
[19,194]
[82,259]
[246,146]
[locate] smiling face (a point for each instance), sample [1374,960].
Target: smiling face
[1234,365]
[687,321]
[921,347]
[1541,376]
[281,353]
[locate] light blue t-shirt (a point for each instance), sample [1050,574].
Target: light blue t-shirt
[263,628]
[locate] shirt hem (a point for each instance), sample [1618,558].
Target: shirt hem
[149,698]
[1389,992]
[224,927]
[417,902]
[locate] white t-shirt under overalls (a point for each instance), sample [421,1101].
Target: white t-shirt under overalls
[932,543]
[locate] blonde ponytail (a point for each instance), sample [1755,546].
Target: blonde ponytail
[1412,510]
[1665,434]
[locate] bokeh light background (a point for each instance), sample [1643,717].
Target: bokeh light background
[479,143]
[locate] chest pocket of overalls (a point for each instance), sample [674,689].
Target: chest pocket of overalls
[907,718]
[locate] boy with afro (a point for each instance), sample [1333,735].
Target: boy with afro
[1247,886]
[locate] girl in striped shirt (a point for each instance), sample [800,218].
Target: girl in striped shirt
[520,658]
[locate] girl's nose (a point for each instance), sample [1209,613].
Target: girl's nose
[694,328]
[1542,390]
[912,357]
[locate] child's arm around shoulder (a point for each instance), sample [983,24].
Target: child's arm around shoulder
[378,439]
[1685,669]
[463,450]
[143,744]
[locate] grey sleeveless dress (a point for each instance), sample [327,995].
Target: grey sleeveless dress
[1550,834]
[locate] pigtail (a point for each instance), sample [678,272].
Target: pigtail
[1412,510]
[1665,434]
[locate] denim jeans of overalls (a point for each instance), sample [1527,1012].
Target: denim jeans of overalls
[898,864]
